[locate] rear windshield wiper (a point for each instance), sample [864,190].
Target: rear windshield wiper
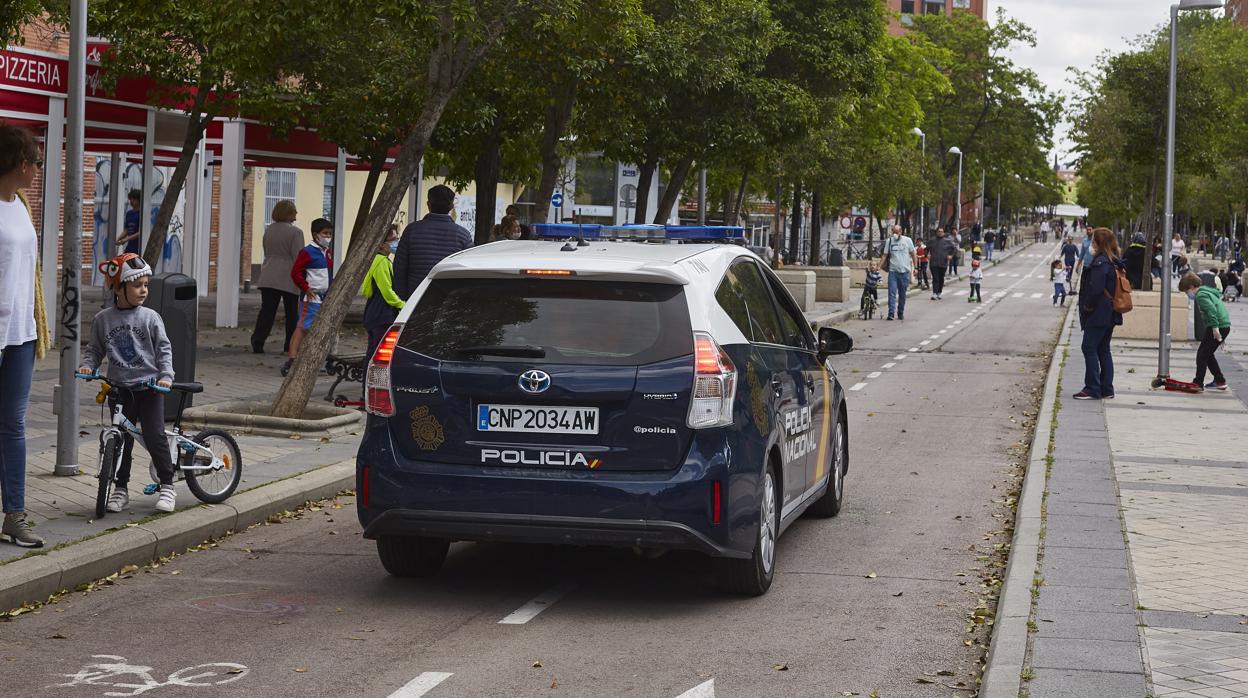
[524,351]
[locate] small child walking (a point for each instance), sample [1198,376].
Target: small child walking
[1217,326]
[133,340]
[1058,277]
[977,279]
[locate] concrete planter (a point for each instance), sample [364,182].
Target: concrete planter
[831,284]
[252,417]
[801,284]
[1143,320]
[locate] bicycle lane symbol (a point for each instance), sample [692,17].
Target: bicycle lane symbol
[137,679]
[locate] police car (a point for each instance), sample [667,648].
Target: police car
[592,391]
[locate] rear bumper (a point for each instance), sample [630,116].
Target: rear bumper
[563,530]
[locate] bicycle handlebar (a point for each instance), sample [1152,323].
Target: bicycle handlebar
[149,384]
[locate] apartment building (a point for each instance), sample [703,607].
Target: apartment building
[908,8]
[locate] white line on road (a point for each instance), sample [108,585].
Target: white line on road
[925,342]
[935,336]
[963,292]
[702,690]
[913,349]
[1037,295]
[942,332]
[874,374]
[421,685]
[1017,295]
[948,327]
[858,386]
[539,603]
[891,364]
[899,357]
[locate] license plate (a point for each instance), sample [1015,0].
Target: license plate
[532,419]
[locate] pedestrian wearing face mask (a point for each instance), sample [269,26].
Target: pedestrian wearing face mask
[899,262]
[312,273]
[383,304]
[1098,317]
[1217,323]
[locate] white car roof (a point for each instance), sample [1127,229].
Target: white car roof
[697,267]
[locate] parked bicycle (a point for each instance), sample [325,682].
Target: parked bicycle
[209,461]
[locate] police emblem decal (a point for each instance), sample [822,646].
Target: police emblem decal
[426,429]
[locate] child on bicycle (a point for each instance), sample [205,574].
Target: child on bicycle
[977,280]
[871,285]
[133,339]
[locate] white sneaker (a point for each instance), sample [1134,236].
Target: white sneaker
[168,498]
[118,500]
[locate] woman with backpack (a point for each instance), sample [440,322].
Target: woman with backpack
[1097,316]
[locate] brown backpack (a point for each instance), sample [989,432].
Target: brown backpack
[1121,296]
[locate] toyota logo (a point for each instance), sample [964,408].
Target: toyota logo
[534,381]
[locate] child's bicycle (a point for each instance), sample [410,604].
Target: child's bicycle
[209,461]
[868,305]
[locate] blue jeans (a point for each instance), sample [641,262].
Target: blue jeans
[988,250]
[898,284]
[17,368]
[1098,372]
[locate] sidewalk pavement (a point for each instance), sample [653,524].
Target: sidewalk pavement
[827,313]
[1140,589]
[63,508]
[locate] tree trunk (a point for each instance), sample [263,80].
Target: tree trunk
[448,68]
[558,116]
[195,126]
[816,226]
[795,226]
[674,187]
[375,166]
[739,204]
[486,173]
[645,181]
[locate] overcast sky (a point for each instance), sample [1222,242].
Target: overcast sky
[1075,32]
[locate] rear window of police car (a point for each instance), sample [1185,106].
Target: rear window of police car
[550,321]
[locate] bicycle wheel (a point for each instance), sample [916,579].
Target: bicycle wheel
[109,450]
[215,485]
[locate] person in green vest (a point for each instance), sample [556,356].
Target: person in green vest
[1217,326]
[383,304]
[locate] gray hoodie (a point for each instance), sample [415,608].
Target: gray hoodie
[135,343]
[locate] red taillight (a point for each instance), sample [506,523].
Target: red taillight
[717,498]
[708,358]
[364,486]
[714,384]
[378,399]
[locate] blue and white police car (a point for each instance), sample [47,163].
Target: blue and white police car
[665,395]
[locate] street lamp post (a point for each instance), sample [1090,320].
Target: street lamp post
[1163,336]
[957,221]
[922,212]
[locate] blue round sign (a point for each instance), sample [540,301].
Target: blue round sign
[556,199]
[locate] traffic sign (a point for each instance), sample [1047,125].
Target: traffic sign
[556,199]
[845,221]
[860,222]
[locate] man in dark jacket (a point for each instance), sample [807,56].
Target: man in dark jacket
[428,241]
[940,252]
[1136,260]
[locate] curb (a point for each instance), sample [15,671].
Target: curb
[37,577]
[1007,652]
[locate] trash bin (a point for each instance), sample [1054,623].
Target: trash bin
[176,299]
[836,257]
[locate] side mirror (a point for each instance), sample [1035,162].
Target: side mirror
[833,342]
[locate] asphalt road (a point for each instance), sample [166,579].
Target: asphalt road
[877,599]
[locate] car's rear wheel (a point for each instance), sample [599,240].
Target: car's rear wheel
[412,556]
[829,504]
[752,576]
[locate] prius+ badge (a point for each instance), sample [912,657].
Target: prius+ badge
[534,381]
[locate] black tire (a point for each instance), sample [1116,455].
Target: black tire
[752,576]
[215,486]
[829,504]
[107,471]
[412,556]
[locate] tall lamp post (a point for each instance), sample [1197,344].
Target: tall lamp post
[922,212]
[1163,337]
[957,221]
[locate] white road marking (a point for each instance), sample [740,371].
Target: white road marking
[1017,295]
[539,603]
[899,357]
[891,364]
[998,294]
[874,374]
[702,690]
[925,342]
[935,336]
[1037,295]
[913,349]
[857,386]
[963,292]
[1014,276]
[942,332]
[948,327]
[421,685]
